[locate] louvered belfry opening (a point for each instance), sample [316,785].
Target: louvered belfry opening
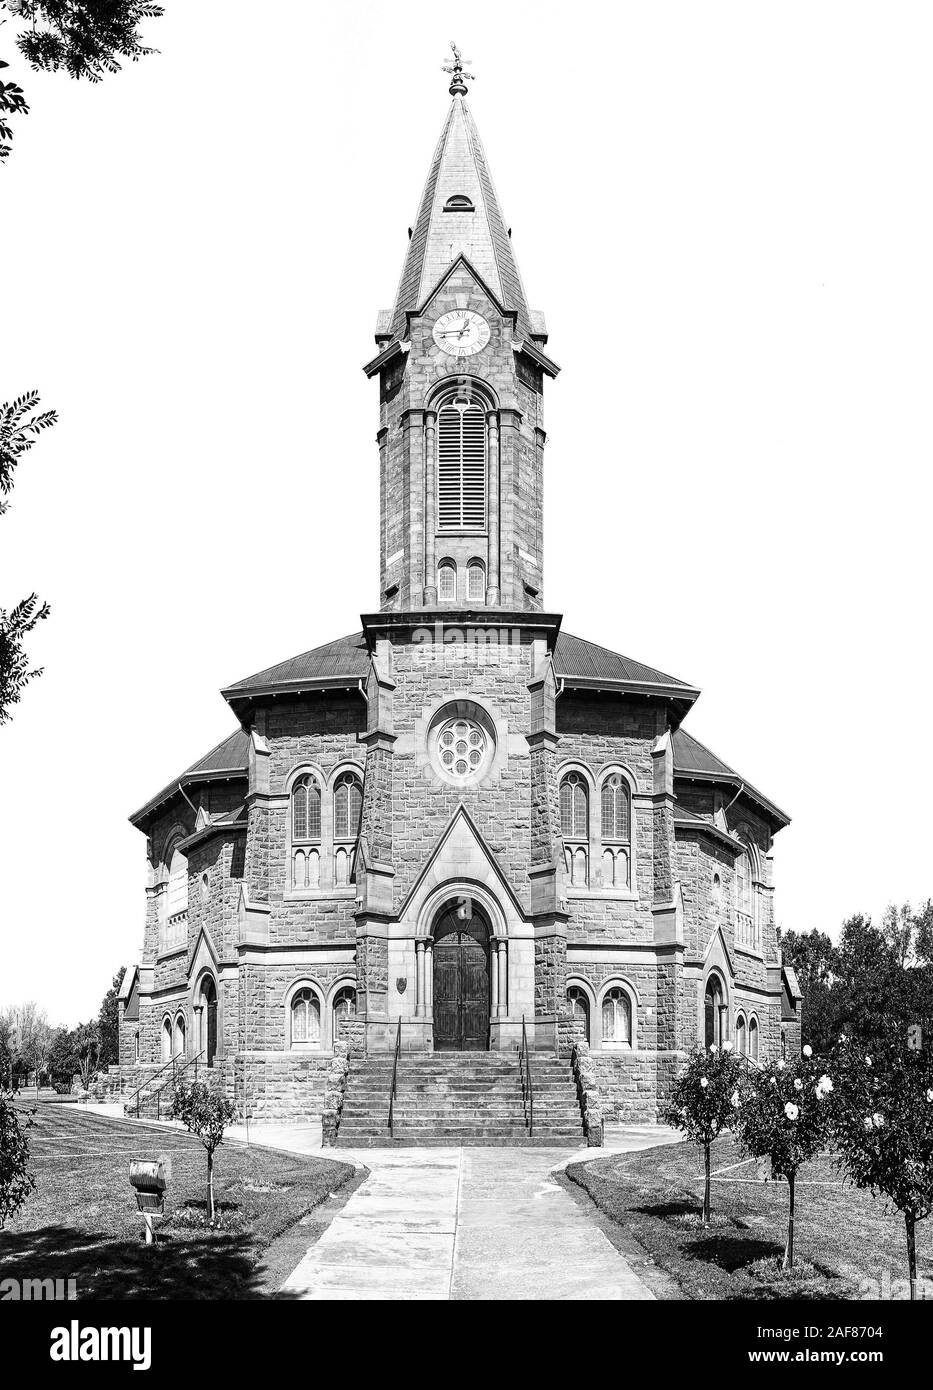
[461,466]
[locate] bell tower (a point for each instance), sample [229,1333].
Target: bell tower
[461,364]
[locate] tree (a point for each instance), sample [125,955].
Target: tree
[786,1118]
[20,425]
[16,1181]
[812,956]
[63,1059]
[909,934]
[87,1049]
[33,1039]
[7,1044]
[706,1099]
[206,1115]
[84,37]
[883,1114]
[108,1022]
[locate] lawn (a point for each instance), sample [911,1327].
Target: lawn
[81,1221]
[846,1244]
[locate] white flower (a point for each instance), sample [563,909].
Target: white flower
[867,1122]
[868,1061]
[808,1051]
[727,1047]
[842,1037]
[780,1065]
[736,1102]
[930,1097]
[819,1094]
[791,1111]
[703,1082]
[877,1120]
[798,1084]
[713,1048]
[825,1084]
[774,1081]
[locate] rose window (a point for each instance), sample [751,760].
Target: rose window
[462,748]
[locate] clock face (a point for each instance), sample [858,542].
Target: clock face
[461,332]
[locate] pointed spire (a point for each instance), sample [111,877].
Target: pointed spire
[459,215]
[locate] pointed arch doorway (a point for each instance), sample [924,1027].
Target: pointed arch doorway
[461,982]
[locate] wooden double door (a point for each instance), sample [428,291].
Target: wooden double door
[461,983]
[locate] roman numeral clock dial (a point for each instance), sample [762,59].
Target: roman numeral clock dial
[461,332]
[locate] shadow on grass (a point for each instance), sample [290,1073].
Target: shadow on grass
[729,1251]
[664,1210]
[180,1265]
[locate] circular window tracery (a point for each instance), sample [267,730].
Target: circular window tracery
[462,742]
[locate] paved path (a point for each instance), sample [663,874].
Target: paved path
[464,1223]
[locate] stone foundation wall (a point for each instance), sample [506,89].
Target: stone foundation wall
[281,1087]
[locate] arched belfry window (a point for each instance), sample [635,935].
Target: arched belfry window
[461,466]
[447,581]
[476,581]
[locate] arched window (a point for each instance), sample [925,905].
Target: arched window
[753,1038]
[476,581]
[348,803]
[180,1047]
[166,1039]
[306,832]
[461,466]
[174,924]
[746,914]
[574,807]
[617,1017]
[136,1049]
[447,582]
[306,809]
[459,202]
[616,829]
[344,1010]
[712,1012]
[306,1019]
[741,1041]
[575,827]
[579,1008]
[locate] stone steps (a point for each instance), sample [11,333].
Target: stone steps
[458,1098]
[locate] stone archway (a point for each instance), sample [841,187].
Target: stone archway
[461,978]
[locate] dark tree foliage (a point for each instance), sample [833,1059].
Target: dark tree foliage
[16,1179]
[811,954]
[20,425]
[108,1023]
[85,38]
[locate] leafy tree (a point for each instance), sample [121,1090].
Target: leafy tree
[33,1039]
[786,1118]
[87,1049]
[20,424]
[63,1059]
[108,1023]
[812,956]
[7,1044]
[85,38]
[206,1115]
[16,1181]
[909,934]
[706,1099]
[883,1114]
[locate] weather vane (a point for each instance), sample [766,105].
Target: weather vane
[460,78]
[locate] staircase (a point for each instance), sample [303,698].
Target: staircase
[453,1098]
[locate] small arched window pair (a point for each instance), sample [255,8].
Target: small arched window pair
[447,587]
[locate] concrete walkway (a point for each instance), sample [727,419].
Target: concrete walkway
[469,1223]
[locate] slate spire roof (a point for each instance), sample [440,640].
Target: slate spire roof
[459,171]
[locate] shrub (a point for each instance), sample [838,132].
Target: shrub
[16,1181]
[206,1115]
[707,1098]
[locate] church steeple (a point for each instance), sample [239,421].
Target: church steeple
[461,364]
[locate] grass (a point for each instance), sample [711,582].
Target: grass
[847,1245]
[81,1221]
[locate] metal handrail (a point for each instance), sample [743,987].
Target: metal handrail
[398,1049]
[524,1071]
[176,1070]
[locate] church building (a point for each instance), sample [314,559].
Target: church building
[458,839]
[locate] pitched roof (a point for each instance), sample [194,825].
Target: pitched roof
[459,169]
[574,657]
[230,758]
[345,659]
[693,759]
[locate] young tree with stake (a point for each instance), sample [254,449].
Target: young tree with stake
[706,1099]
[787,1118]
[205,1115]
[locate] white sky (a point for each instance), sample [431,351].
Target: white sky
[725,211]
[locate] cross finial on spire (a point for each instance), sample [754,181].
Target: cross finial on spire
[460,78]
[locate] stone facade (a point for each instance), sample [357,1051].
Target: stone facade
[615,874]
